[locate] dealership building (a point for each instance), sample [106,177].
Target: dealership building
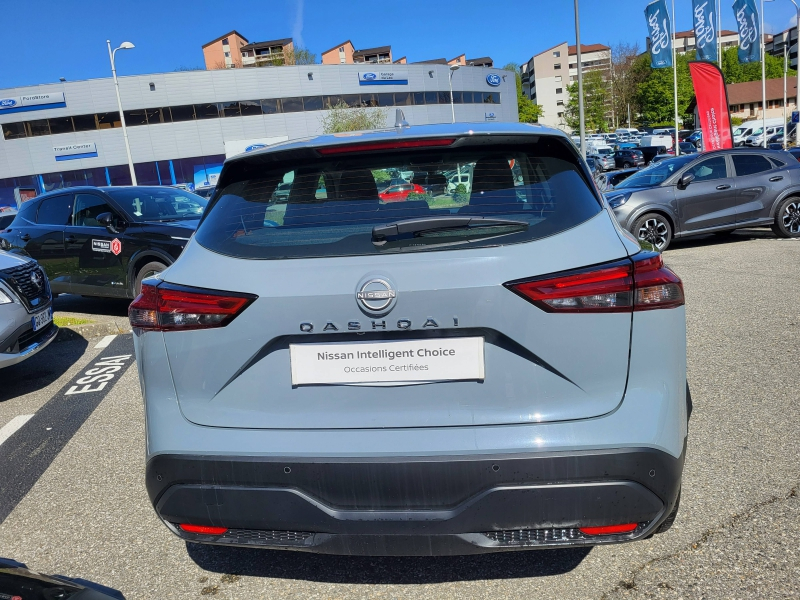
[183,125]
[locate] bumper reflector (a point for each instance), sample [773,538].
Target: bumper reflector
[203,529]
[609,529]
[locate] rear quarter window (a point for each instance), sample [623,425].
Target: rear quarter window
[329,204]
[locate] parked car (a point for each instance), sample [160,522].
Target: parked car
[629,157]
[649,152]
[459,179]
[279,365]
[695,136]
[7,215]
[660,157]
[604,158]
[434,184]
[757,137]
[26,309]
[617,177]
[708,193]
[399,193]
[687,148]
[104,241]
[205,191]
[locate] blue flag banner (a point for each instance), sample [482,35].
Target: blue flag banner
[660,30]
[749,30]
[705,29]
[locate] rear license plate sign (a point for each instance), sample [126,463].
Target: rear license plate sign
[441,359]
[42,319]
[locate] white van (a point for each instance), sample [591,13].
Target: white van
[456,179]
[627,131]
[748,128]
[657,140]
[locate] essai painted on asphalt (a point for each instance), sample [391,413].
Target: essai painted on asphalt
[30,450]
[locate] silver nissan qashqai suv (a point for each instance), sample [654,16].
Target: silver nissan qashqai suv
[342,370]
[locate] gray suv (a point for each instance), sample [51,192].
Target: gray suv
[713,192]
[437,375]
[26,309]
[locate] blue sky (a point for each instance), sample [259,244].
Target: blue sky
[47,39]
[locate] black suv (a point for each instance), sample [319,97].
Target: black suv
[104,241]
[628,157]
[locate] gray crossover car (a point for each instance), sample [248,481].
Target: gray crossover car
[713,192]
[440,375]
[26,312]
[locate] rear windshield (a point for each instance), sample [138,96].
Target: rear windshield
[314,207]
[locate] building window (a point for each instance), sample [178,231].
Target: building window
[559,90]
[341,49]
[557,66]
[559,103]
[558,78]
[225,41]
[227,55]
[561,114]
[556,53]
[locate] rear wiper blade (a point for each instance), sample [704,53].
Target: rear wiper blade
[380,232]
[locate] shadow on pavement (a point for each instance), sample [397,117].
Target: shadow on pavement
[728,237]
[325,568]
[40,370]
[71,303]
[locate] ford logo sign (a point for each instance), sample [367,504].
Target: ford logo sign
[7,103]
[493,79]
[369,76]
[254,147]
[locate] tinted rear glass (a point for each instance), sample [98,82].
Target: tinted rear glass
[311,207]
[158,203]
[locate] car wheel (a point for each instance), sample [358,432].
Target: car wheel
[670,520]
[787,219]
[146,271]
[654,229]
[626,165]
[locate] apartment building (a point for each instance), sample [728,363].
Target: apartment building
[346,54]
[545,76]
[225,52]
[685,40]
[784,40]
[234,51]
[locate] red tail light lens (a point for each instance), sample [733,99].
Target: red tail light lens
[173,308]
[204,529]
[609,529]
[394,145]
[643,284]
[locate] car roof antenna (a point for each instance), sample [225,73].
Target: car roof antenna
[400,119]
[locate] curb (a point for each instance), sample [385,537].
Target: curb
[89,330]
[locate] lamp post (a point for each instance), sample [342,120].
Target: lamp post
[675,85]
[453,69]
[111,55]
[763,81]
[797,66]
[581,122]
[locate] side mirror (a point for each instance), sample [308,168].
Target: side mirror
[685,180]
[106,219]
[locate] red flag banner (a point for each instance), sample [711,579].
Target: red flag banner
[712,105]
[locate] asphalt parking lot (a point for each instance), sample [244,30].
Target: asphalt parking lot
[87,514]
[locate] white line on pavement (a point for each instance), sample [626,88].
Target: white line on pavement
[105,341]
[7,430]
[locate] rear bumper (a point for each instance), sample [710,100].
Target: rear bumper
[416,506]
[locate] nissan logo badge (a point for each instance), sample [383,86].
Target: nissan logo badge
[376,296]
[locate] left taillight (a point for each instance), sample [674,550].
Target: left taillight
[643,283]
[167,307]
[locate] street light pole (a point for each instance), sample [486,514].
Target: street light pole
[797,66]
[763,82]
[582,124]
[453,69]
[112,55]
[675,85]
[785,74]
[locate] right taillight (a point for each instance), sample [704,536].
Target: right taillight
[167,307]
[643,283]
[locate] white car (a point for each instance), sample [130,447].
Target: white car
[26,309]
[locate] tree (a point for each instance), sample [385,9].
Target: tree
[596,97]
[626,75]
[529,111]
[735,72]
[294,56]
[341,117]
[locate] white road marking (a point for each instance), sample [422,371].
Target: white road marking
[7,430]
[105,341]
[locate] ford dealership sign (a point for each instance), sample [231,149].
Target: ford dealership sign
[493,79]
[33,102]
[7,102]
[383,78]
[254,147]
